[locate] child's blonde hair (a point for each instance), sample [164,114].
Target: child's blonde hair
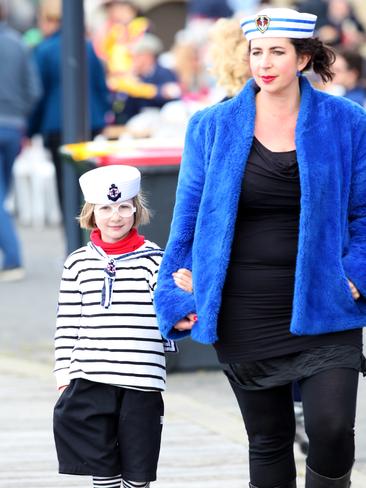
[228,53]
[142,215]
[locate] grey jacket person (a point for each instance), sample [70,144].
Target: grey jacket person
[20,87]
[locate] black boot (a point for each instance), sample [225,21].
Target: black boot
[315,480]
[291,484]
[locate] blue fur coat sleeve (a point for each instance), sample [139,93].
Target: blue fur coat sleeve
[172,303]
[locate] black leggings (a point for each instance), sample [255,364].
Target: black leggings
[329,402]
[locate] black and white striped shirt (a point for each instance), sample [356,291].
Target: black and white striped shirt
[120,345]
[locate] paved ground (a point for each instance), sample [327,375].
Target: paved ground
[204,443]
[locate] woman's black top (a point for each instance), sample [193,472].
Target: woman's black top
[256,307]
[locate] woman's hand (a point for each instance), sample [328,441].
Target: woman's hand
[187,323]
[183,279]
[355,293]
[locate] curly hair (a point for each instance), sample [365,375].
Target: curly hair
[228,53]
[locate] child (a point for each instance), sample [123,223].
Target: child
[110,364]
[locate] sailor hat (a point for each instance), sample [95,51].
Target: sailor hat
[278,22]
[110,184]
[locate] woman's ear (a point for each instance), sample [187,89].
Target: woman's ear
[303,60]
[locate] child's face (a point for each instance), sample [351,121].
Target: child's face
[113,228]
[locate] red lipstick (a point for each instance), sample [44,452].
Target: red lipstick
[267,79]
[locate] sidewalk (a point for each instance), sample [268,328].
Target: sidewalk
[203,445]
[203,442]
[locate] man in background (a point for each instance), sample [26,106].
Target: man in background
[19,90]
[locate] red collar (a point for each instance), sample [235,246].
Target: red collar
[130,243]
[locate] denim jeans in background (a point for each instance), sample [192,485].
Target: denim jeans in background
[10,143]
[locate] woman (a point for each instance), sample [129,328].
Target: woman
[270,216]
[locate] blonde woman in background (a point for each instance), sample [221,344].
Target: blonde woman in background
[228,53]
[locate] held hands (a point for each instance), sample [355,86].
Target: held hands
[355,293]
[187,323]
[183,279]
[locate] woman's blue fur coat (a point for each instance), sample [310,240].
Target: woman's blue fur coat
[331,153]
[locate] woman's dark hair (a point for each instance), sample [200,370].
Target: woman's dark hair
[321,56]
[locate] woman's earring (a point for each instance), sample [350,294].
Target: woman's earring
[298,73]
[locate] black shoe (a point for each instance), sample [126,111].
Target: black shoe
[315,480]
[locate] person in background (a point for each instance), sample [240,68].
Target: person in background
[228,56]
[151,84]
[245,7]
[316,7]
[19,91]
[208,9]
[189,65]
[338,23]
[46,118]
[48,21]
[202,14]
[348,78]
[123,26]
[270,217]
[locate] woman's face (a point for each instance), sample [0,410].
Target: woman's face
[274,64]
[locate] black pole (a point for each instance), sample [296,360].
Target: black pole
[75,111]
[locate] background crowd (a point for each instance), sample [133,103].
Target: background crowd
[141,84]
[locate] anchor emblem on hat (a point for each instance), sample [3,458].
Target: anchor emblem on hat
[113,194]
[262,23]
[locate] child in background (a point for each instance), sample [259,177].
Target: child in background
[110,364]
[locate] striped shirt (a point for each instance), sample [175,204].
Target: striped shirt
[120,345]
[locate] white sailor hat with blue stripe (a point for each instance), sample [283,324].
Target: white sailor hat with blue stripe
[278,22]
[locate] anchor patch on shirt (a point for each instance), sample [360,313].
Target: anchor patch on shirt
[114,194]
[262,23]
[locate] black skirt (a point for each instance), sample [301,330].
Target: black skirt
[269,373]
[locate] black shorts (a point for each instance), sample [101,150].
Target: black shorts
[105,430]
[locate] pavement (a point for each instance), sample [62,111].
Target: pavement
[204,444]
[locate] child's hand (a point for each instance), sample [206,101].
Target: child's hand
[187,323]
[183,279]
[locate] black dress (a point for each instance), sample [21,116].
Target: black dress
[257,297]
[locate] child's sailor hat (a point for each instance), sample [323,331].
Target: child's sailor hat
[278,22]
[110,184]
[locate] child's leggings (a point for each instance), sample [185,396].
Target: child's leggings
[115,482]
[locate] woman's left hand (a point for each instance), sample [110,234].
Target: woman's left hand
[183,279]
[355,293]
